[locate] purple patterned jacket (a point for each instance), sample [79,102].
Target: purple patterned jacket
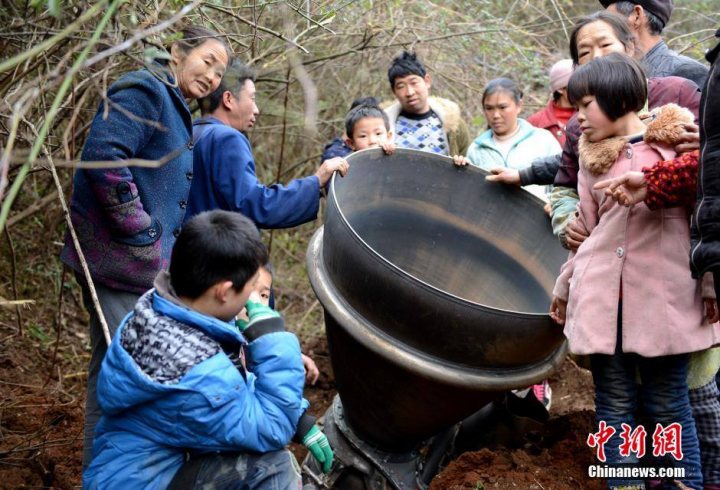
[127,217]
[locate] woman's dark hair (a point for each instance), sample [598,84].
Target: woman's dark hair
[617,23]
[233,80]
[617,81]
[193,36]
[367,108]
[404,65]
[503,85]
[212,247]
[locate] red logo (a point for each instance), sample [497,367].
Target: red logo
[633,441]
[665,440]
[600,438]
[668,440]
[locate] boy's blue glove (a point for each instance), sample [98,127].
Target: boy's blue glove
[256,312]
[318,445]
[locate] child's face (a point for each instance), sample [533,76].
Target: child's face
[234,301]
[263,285]
[369,132]
[261,288]
[594,124]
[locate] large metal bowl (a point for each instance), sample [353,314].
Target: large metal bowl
[436,286]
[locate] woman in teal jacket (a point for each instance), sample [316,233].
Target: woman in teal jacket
[510,142]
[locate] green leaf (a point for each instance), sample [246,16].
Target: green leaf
[37,333]
[175,36]
[54,8]
[152,53]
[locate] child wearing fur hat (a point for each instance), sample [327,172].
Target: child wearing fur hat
[626,297]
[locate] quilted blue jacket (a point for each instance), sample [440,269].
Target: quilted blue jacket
[127,217]
[214,405]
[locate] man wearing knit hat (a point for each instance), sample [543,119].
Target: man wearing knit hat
[559,110]
[647,18]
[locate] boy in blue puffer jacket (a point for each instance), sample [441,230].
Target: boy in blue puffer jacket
[189,398]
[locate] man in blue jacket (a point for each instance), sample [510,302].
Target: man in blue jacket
[224,167]
[191,399]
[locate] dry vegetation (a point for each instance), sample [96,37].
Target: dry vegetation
[313,57]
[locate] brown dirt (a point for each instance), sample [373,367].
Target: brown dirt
[321,394]
[555,457]
[40,419]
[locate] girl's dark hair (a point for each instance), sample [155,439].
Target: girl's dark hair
[617,81]
[194,36]
[618,24]
[367,108]
[212,247]
[404,65]
[503,85]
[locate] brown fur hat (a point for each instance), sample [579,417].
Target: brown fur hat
[667,124]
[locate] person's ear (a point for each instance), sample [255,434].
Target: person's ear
[222,291]
[637,18]
[520,105]
[227,100]
[349,142]
[176,54]
[390,135]
[428,80]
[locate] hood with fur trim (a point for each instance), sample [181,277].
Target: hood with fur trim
[665,127]
[447,110]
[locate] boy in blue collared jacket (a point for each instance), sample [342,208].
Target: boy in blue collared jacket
[189,398]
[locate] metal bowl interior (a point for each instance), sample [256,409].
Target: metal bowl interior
[447,227]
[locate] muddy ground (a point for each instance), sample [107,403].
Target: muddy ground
[41,415]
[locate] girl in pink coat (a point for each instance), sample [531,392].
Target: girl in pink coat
[626,297]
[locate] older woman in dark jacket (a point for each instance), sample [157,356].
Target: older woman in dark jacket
[127,217]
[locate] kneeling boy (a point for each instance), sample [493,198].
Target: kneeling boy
[183,406]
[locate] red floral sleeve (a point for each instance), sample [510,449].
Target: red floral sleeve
[672,183]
